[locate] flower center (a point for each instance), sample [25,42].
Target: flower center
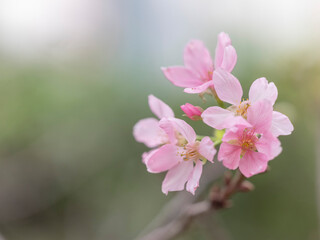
[207,77]
[181,141]
[248,141]
[248,145]
[242,109]
[190,152]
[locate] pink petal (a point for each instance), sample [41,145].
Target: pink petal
[163,159]
[230,155]
[229,58]
[193,182]
[220,118]
[276,150]
[281,125]
[182,77]
[259,115]
[253,163]
[177,177]
[147,131]
[269,145]
[146,155]
[206,149]
[168,127]
[223,41]
[185,129]
[200,88]
[228,88]
[197,58]
[233,133]
[261,89]
[159,108]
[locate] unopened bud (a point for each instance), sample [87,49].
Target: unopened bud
[192,112]
[246,186]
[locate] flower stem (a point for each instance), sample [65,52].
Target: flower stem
[219,101]
[219,198]
[213,139]
[200,137]
[217,138]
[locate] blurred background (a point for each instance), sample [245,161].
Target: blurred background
[74,79]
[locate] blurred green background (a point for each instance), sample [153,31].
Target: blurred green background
[75,76]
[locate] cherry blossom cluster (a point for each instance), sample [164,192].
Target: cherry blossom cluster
[247,129]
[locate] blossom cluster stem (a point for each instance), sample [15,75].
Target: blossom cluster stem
[219,199]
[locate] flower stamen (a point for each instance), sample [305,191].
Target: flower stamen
[242,108]
[248,141]
[191,152]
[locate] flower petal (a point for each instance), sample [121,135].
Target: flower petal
[159,108]
[182,77]
[200,88]
[193,182]
[227,86]
[261,89]
[281,125]
[269,145]
[147,131]
[185,129]
[220,118]
[259,115]
[163,159]
[145,155]
[229,155]
[197,58]
[253,163]
[277,149]
[223,41]
[229,58]
[177,177]
[168,127]
[233,133]
[206,149]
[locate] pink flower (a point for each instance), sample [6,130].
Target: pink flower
[196,75]
[147,130]
[228,89]
[193,112]
[182,160]
[250,149]
[179,153]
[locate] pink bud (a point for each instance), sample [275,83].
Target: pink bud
[193,112]
[246,186]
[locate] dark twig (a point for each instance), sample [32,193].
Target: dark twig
[219,198]
[183,199]
[179,224]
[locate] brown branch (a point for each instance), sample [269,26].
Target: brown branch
[183,199]
[219,198]
[179,224]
